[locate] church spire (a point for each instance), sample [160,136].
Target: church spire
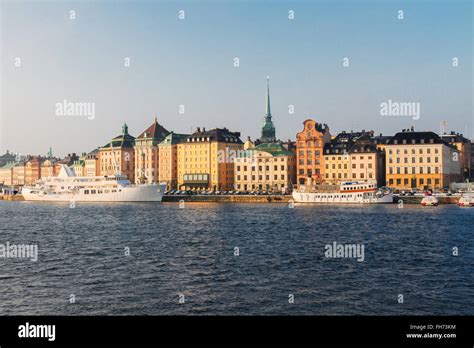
[267,110]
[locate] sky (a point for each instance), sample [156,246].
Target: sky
[47,57]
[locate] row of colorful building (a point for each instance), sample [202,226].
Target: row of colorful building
[218,159]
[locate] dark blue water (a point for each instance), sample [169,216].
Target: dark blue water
[190,251]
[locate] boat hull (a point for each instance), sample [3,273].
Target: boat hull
[132,193]
[339,198]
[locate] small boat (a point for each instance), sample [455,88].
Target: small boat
[429,200]
[466,200]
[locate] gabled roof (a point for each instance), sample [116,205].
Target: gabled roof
[122,140]
[156,132]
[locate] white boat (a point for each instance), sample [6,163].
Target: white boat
[67,187]
[346,193]
[466,200]
[429,200]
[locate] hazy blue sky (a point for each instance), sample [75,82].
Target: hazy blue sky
[191,62]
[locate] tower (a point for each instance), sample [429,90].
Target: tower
[268,130]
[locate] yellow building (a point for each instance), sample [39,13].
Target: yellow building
[47,167]
[168,159]
[18,174]
[118,156]
[353,158]
[6,174]
[147,153]
[91,163]
[206,159]
[421,160]
[267,167]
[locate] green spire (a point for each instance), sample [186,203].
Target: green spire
[125,128]
[267,110]
[268,130]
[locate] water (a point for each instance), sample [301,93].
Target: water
[190,251]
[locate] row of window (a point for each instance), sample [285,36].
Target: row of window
[413,182]
[413,170]
[354,176]
[260,177]
[413,151]
[93,192]
[260,168]
[413,160]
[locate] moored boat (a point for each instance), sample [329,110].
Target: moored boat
[429,200]
[466,200]
[67,187]
[345,193]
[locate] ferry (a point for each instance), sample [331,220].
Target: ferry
[67,187]
[429,200]
[466,200]
[345,193]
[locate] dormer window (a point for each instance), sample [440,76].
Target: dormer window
[431,141]
[404,141]
[422,141]
[413,141]
[395,142]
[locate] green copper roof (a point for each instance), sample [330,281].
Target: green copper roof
[275,149]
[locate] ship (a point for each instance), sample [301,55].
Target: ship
[466,200]
[67,187]
[347,192]
[429,200]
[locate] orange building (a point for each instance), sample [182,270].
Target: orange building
[32,170]
[118,156]
[147,153]
[309,151]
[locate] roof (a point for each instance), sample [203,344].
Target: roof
[156,132]
[92,154]
[337,147]
[216,134]
[174,138]
[454,138]
[363,144]
[410,137]
[122,140]
[275,149]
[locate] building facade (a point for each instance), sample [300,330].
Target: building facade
[421,160]
[32,170]
[168,159]
[6,174]
[464,147]
[147,153]
[18,174]
[309,151]
[91,163]
[206,159]
[47,167]
[267,167]
[118,156]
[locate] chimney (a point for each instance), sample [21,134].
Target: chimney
[412,128]
[198,129]
[203,129]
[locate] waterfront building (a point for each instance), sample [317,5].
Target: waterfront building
[206,159]
[18,173]
[79,165]
[6,174]
[47,167]
[168,159]
[309,151]
[91,163]
[32,170]
[7,158]
[464,147]
[248,144]
[118,156]
[147,153]
[266,167]
[421,160]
